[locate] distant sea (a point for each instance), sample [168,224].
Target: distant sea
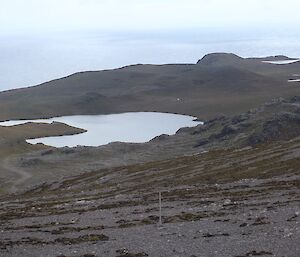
[28,59]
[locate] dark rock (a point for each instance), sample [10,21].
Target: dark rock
[226,131]
[184,130]
[159,138]
[295,99]
[240,118]
[202,142]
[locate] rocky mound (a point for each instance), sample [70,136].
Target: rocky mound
[277,120]
[220,59]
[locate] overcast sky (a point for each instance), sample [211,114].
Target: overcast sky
[33,15]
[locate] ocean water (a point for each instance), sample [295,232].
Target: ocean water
[29,59]
[134,127]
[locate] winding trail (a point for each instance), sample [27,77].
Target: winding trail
[22,175]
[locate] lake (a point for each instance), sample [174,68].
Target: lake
[30,59]
[134,127]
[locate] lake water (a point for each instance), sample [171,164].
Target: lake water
[282,62]
[132,127]
[30,59]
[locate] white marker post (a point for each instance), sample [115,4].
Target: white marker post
[159,200]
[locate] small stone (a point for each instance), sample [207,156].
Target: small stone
[227,201]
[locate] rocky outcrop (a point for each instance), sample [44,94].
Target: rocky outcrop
[220,59]
[273,121]
[283,126]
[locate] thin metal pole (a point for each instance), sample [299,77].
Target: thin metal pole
[159,199]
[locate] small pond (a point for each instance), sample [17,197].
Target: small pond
[282,62]
[134,127]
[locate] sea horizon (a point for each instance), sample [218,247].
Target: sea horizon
[40,57]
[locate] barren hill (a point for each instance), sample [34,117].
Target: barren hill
[234,83]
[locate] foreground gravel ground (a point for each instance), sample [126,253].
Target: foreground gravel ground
[244,218]
[234,202]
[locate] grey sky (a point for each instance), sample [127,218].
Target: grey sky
[144,14]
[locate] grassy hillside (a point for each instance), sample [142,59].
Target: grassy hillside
[221,200]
